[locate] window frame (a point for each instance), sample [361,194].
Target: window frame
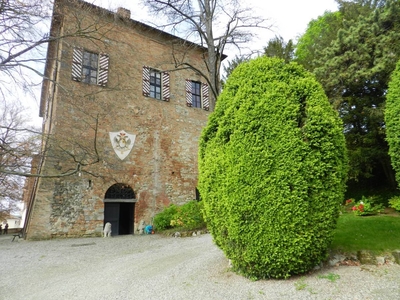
[154,76]
[88,60]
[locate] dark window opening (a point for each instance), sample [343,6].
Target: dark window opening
[196,94]
[90,67]
[155,84]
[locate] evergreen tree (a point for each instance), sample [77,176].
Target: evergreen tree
[392,121]
[272,168]
[354,71]
[277,47]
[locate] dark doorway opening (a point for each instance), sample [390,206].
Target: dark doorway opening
[119,209]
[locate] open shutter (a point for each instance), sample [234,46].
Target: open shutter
[205,95]
[165,86]
[103,69]
[189,93]
[146,81]
[77,62]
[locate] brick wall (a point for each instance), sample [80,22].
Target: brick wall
[162,165]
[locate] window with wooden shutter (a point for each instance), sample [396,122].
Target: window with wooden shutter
[156,84]
[77,61]
[197,94]
[188,92]
[146,81]
[90,67]
[103,69]
[205,96]
[165,86]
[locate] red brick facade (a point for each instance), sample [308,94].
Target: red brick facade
[130,65]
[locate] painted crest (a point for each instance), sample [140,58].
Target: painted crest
[122,143]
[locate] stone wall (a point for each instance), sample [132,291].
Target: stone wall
[162,166]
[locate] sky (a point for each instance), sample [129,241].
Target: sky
[289,19]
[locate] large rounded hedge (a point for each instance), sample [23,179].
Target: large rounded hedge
[392,120]
[272,169]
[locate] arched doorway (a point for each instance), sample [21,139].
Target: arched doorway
[119,208]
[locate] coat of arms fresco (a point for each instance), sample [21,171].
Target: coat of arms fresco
[122,143]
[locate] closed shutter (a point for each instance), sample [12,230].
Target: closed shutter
[205,95]
[189,92]
[103,69]
[77,62]
[165,86]
[146,81]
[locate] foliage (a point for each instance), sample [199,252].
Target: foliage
[318,36]
[392,112]
[188,216]
[163,219]
[395,202]
[354,71]
[228,69]
[272,167]
[376,233]
[277,47]
[366,207]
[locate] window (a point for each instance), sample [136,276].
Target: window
[197,94]
[155,84]
[90,67]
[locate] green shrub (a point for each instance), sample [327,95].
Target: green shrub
[188,216]
[394,202]
[162,220]
[272,168]
[367,207]
[392,120]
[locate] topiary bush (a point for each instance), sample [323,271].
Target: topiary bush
[272,170]
[392,120]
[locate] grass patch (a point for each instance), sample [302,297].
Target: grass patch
[331,277]
[375,233]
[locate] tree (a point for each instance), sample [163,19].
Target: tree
[24,36]
[18,144]
[277,47]
[213,24]
[354,70]
[228,69]
[392,112]
[318,36]
[272,169]
[22,33]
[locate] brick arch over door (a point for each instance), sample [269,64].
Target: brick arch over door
[119,208]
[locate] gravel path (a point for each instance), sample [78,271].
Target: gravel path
[158,267]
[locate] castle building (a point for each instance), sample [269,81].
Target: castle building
[121,124]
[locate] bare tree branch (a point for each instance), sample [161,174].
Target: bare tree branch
[213,24]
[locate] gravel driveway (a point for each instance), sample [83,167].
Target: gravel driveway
[159,267]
